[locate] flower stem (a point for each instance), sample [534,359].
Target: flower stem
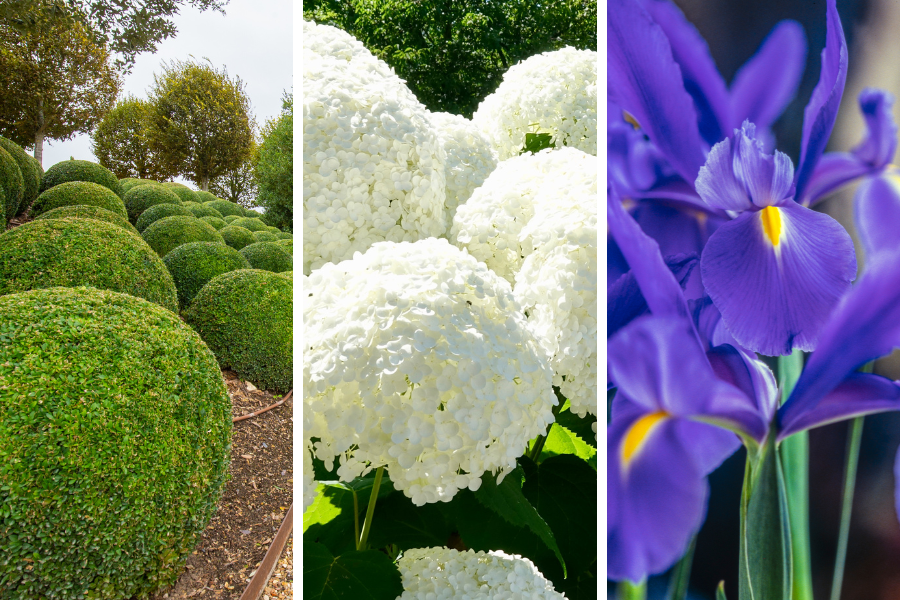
[367,524]
[853,443]
[681,574]
[631,591]
[356,519]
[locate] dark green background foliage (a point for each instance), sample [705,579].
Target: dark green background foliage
[225,207]
[268,256]
[216,222]
[193,265]
[79,170]
[251,223]
[160,211]
[201,210]
[12,185]
[264,236]
[80,211]
[182,191]
[237,237]
[71,252]
[246,319]
[115,435]
[140,198]
[274,167]
[129,182]
[74,193]
[453,53]
[167,234]
[30,169]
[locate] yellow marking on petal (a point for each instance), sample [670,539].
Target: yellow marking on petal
[771,222]
[629,118]
[638,434]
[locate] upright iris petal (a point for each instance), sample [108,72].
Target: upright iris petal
[876,210]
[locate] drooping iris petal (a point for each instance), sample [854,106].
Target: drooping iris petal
[742,370]
[857,395]
[876,210]
[821,111]
[863,327]
[776,274]
[644,80]
[764,86]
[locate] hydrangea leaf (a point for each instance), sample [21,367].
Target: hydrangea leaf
[561,441]
[368,575]
[583,427]
[398,521]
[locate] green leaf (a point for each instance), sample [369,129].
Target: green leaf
[582,427]
[681,574]
[507,500]
[535,142]
[720,591]
[398,521]
[561,440]
[368,575]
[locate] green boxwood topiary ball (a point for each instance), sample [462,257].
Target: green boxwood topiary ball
[72,252]
[78,193]
[216,222]
[225,207]
[284,235]
[80,170]
[251,224]
[201,210]
[140,198]
[204,197]
[268,256]
[160,211]
[132,182]
[184,192]
[80,211]
[231,218]
[245,317]
[264,236]
[193,265]
[30,170]
[287,244]
[237,237]
[115,441]
[167,234]
[289,275]
[12,185]
[271,229]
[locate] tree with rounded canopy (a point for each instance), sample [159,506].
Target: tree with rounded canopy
[200,126]
[56,82]
[237,185]
[275,167]
[121,144]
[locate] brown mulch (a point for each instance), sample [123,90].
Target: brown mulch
[252,507]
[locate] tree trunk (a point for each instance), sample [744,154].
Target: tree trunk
[39,148]
[204,184]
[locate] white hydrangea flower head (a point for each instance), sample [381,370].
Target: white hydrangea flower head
[373,165]
[470,158]
[328,41]
[445,574]
[309,482]
[554,92]
[489,225]
[418,358]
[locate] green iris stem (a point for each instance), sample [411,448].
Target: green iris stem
[370,510]
[853,443]
[681,574]
[631,591]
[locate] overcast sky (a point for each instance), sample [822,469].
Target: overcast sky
[252,40]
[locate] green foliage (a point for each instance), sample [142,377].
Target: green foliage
[81,211]
[230,218]
[288,245]
[30,169]
[246,319]
[12,185]
[141,197]
[264,236]
[160,211]
[115,435]
[250,223]
[268,256]
[182,191]
[127,183]
[354,574]
[72,252]
[237,185]
[225,207]
[80,170]
[216,222]
[121,141]
[274,167]
[202,210]
[201,123]
[193,265]
[75,193]
[284,235]
[167,234]
[204,196]
[453,54]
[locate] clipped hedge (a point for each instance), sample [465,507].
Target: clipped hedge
[160,211]
[193,265]
[140,198]
[12,185]
[167,234]
[249,224]
[268,256]
[284,235]
[231,218]
[264,236]
[80,170]
[132,182]
[182,191]
[274,230]
[287,244]
[216,222]
[30,170]
[237,237]
[201,210]
[204,197]
[78,193]
[81,211]
[245,317]
[225,207]
[73,252]
[115,441]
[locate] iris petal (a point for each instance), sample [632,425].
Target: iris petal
[876,210]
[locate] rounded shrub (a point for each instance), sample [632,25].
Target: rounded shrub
[271,229]
[73,252]
[264,236]
[182,191]
[115,441]
[287,244]
[289,275]
[167,234]
[216,222]
[80,170]
[193,265]
[12,185]
[204,197]
[251,224]
[131,182]
[30,170]
[284,235]
[201,210]
[245,317]
[268,256]
[78,193]
[81,211]
[237,237]
[225,207]
[160,211]
[140,198]
[231,218]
